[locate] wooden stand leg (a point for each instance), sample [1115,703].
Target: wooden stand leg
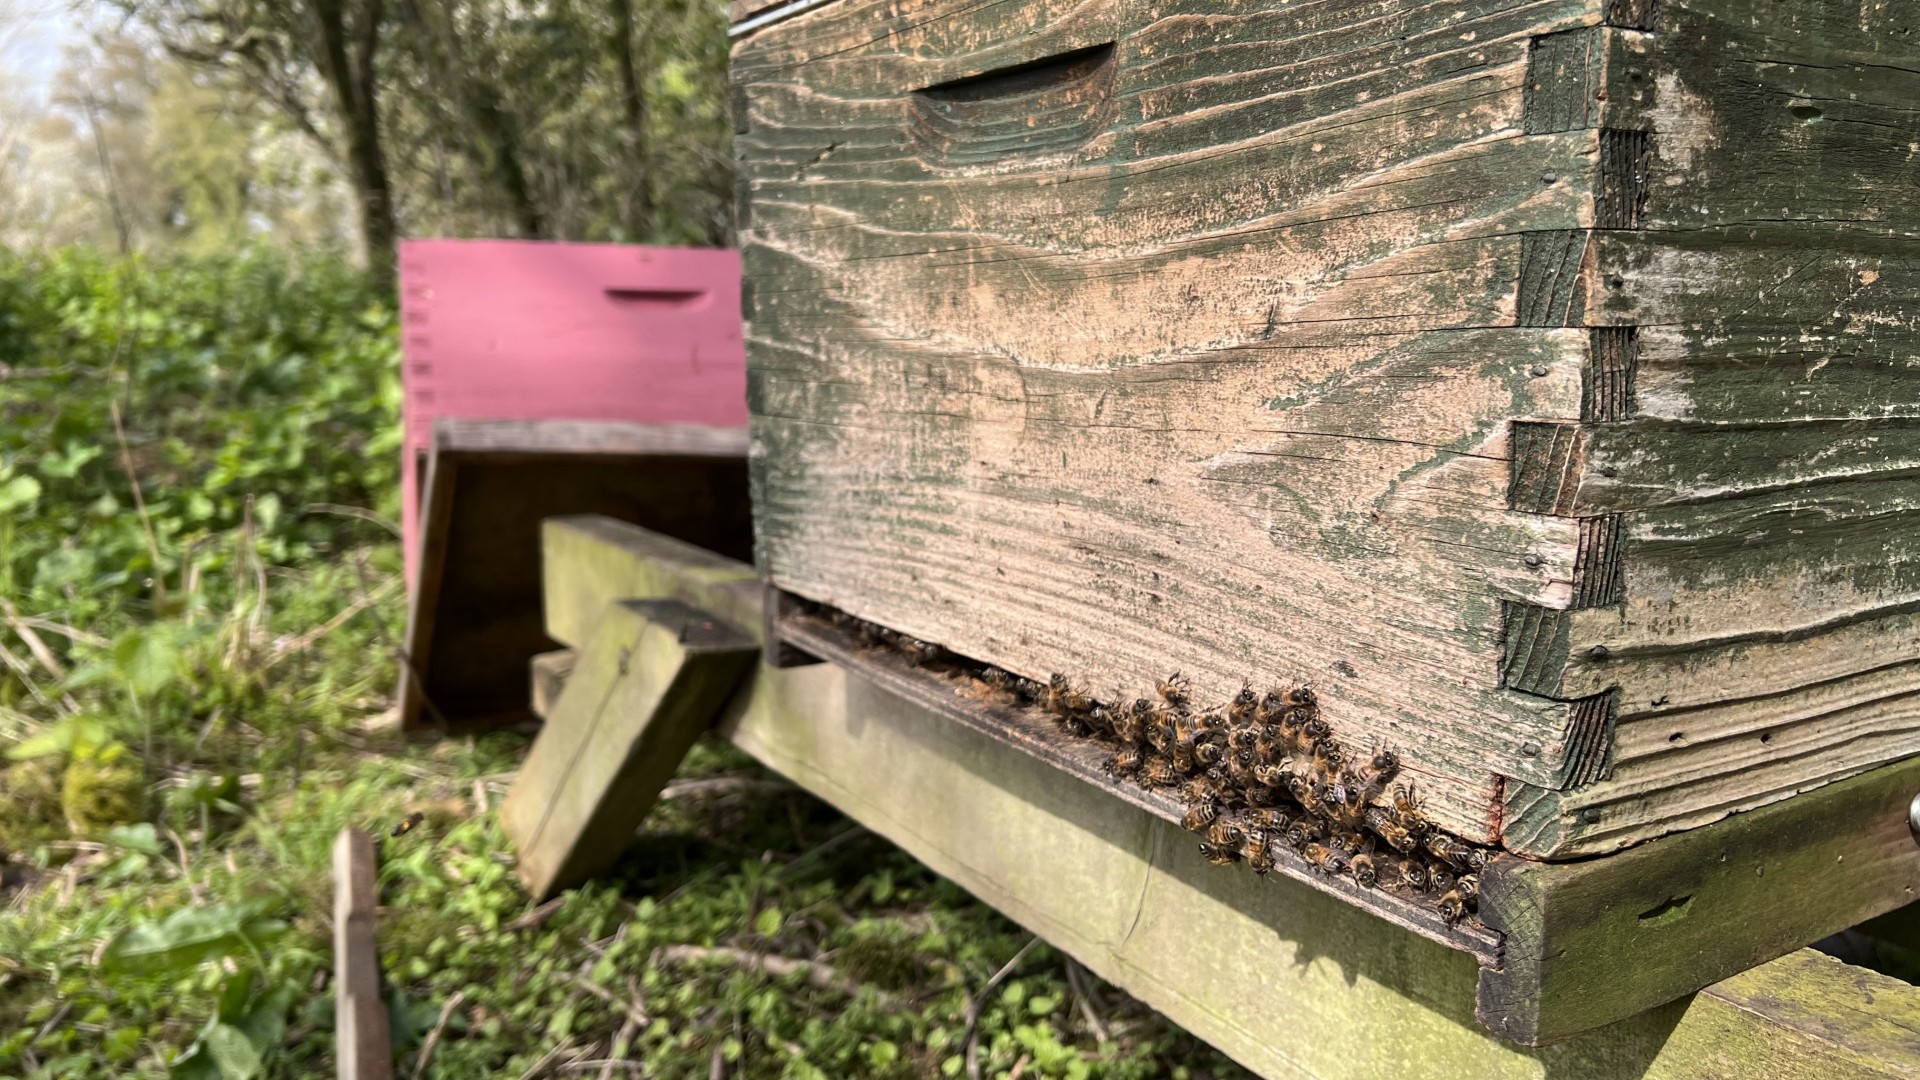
[654,676]
[364,1045]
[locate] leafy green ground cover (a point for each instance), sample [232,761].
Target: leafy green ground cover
[200,614]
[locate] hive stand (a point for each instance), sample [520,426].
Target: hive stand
[473,620]
[1587,954]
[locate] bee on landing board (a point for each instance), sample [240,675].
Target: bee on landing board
[1126,761]
[1201,816]
[1227,834]
[1259,850]
[1413,874]
[1217,855]
[411,823]
[1323,858]
[1241,709]
[1385,826]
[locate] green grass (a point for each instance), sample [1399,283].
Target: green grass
[756,868]
[197,657]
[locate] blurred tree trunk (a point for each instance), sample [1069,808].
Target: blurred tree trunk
[495,136]
[633,99]
[348,41]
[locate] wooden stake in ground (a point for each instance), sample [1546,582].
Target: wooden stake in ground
[654,676]
[364,1046]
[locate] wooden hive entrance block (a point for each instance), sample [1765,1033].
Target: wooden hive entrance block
[651,679]
[473,625]
[1534,381]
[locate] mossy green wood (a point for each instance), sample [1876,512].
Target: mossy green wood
[1607,937]
[1249,964]
[645,686]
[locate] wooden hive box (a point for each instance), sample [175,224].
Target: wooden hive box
[1535,381]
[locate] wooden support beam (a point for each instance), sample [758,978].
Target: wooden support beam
[364,1047]
[1249,963]
[1693,907]
[548,673]
[652,678]
[473,620]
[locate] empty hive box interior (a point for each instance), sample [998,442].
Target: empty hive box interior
[1532,382]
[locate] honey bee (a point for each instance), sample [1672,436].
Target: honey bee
[997,678]
[1469,889]
[1328,760]
[1183,762]
[1271,776]
[1413,874]
[1273,821]
[1323,858]
[1126,761]
[1208,754]
[1219,856]
[1159,773]
[1028,690]
[1314,731]
[1305,831]
[1440,879]
[1273,707]
[1448,850]
[1208,724]
[1378,770]
[1345,802]
[1259,850]
[1129,726]
[1242,737]
[1224,833]
[1160,730]
[1200,816]
[921,653]
[1453,906]
[1406,809]
[1240,709]
[1174,689]
[1062,698]
[1390,830]
[1302,792]
[1364,871]
[1240,768]
[1301,696]
[411,823]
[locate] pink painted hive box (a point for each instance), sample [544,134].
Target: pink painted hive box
[527,330]
[545,380]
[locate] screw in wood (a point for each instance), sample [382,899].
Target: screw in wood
[1913,818]
[1531,559]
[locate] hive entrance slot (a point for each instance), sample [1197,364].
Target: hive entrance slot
[1050,72]
[1028,111]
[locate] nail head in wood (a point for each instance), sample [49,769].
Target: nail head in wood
[1913,818]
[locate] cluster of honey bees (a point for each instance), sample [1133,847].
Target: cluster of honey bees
[1260,772]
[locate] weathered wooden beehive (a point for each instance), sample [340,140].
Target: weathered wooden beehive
[1537,382]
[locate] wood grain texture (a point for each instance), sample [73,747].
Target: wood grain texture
[474,616]
[648,682]
[1688,909]
[1760,455]
[1474,364]
[363,1045]
[1122,889]
[1192,374]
